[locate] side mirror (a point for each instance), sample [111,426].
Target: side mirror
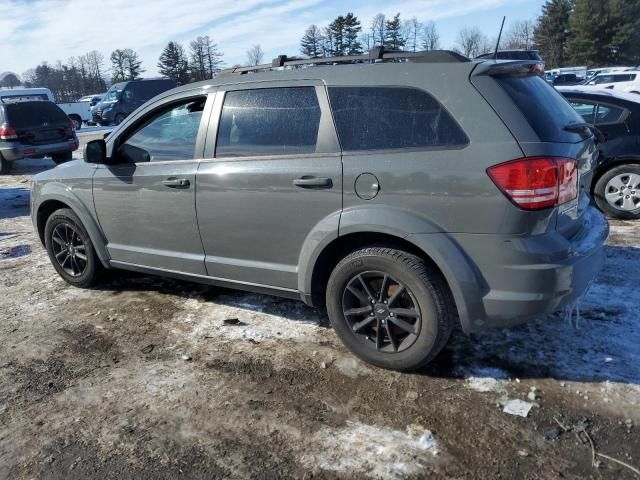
[95,151]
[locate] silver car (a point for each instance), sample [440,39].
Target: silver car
[405,197]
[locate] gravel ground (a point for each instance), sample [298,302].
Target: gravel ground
[141,378]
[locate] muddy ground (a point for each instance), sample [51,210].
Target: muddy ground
[141,378]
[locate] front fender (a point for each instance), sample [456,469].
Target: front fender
[58,192]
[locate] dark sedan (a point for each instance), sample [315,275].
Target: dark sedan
[616,183]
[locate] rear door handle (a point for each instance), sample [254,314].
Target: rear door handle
[313,182]
[176,183]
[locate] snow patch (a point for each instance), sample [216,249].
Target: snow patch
[374,451]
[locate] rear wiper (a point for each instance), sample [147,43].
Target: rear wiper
[579,126]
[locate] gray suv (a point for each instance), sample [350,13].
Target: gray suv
[406,193]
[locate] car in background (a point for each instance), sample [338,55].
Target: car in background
[124,97]
[626,81]
[92,99]
[516,54]
[565,79]
[616,181]
[34,129]
[78,112]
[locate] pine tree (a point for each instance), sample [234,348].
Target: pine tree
[337,33]
[118,73]
[393,38]
[551,33]
[605,32]
[351,29]
[311,43]
[173,63]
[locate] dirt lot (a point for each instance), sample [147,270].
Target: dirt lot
[141,378]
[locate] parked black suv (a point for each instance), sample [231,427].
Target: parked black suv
[124,97]
[34,129]
[616,182]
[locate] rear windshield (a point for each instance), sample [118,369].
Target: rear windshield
[545,109]
[34,114]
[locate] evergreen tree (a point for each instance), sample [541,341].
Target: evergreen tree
[125,65]
[551,33]
[337,33]
[311,43]
[10,80]
[173,63]
[604,32]
[351,29]
[393,38]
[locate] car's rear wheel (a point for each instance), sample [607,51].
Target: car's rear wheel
[390,308]
[617,192]
[70,249]
[5,166]
[62,157]
[119,118]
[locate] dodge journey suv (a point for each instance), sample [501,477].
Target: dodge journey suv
[405,196]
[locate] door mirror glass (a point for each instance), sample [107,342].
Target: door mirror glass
[95,151]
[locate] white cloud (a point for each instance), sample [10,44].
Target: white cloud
[52,30]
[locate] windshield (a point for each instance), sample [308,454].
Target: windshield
[112,95]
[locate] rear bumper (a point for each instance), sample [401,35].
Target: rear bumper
[13,151]
[529,277]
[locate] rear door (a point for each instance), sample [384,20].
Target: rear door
[271,177]
[145,199]
[541,120]
[39,123]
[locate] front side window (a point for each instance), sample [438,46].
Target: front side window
[375,118]
[268,121]
[170,134]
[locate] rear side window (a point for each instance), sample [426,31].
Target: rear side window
[374,118]
[585,110]
[34,114]
[269,121]
[544,108]
[608,114]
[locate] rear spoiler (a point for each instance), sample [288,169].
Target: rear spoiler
[509,67]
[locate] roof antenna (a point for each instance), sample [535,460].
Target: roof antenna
[495,53]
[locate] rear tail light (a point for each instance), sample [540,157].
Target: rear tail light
[69,129]
[533,183]
[7,132]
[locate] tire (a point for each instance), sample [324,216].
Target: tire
[5,166]
[77,121]
[119,118]
[64,224]
[62,157]
[424,288]
[617,192]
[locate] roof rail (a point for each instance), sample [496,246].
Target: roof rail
[375,55]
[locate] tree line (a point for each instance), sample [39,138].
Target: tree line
[589,32]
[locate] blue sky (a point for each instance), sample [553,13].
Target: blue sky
[53,30]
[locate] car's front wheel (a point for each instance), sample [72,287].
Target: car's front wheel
[390,308]
[617,192]
[119,118]
[70,249]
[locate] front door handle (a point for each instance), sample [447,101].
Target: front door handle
[313,182]
[176,183]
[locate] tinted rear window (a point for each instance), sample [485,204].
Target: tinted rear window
[34,114]
[371,118]
[544,108]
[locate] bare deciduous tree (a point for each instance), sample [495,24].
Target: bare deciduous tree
[255,55]
[472,41]
[519,35]
[412,29]
[430,38]
[378,30]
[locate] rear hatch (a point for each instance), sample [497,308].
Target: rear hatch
[545,125]
[38,123]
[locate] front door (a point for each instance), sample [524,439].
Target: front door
[145,197]
[274,181]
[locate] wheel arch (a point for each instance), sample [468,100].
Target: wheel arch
[51,201]
[436,249]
